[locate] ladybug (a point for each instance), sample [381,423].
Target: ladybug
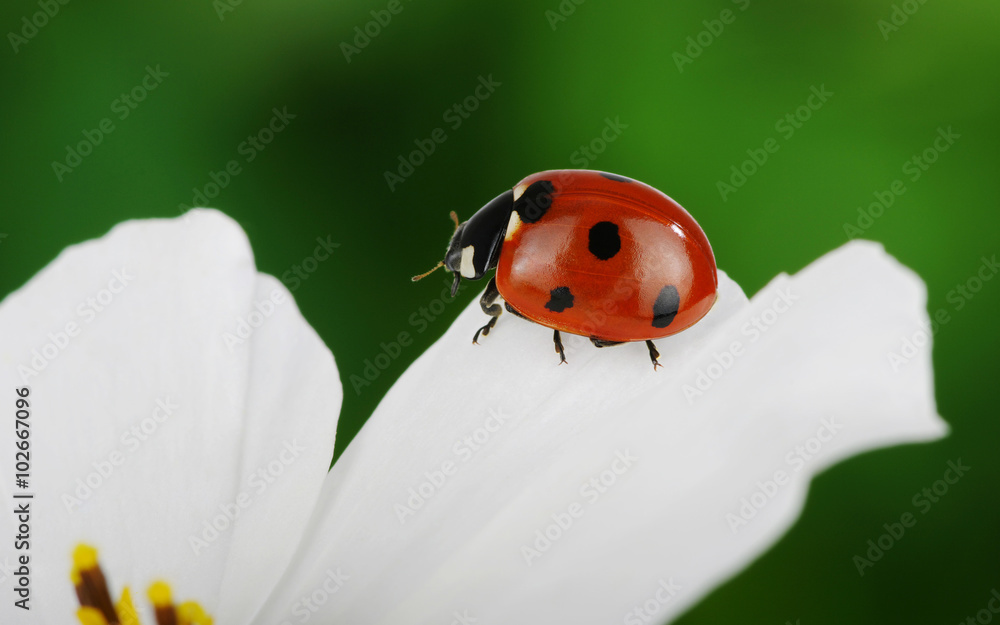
[588,253]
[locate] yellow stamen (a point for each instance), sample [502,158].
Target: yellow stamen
[96,603]
[126,609]
[159,594]
[90,616]
[191,613]
[84,557]
[90,585]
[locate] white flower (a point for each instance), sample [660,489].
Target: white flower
[490,483]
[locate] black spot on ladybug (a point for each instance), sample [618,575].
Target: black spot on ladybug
[604,240]
[561,299]
[535,201]
[616,177]
[665,307]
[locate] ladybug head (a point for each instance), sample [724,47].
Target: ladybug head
[475,247]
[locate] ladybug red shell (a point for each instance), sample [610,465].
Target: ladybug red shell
[589,253]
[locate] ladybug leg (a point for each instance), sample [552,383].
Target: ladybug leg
[557,339]
[513,310]
[602,343]
[654,355]
[490,307]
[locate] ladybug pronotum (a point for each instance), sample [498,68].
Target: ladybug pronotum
[588,253]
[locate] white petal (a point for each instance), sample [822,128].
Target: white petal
[154,400]
[682,466]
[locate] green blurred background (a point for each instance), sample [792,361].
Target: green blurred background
[681,126]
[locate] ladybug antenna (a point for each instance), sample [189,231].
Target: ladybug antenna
[427,273]
[454,217]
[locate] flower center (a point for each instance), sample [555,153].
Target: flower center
[97,608]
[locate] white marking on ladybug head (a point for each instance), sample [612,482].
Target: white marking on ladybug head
[467,269]
[512,226]
[519,190]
